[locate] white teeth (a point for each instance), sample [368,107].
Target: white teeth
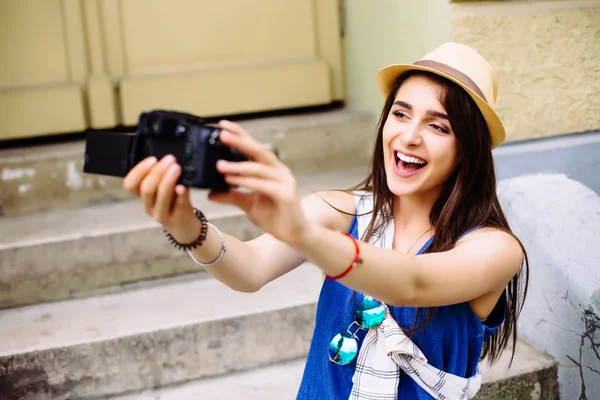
[413,160]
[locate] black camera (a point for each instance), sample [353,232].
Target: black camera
[196,146]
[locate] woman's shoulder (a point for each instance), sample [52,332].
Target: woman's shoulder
[334,208]
[490,235]
[486,231]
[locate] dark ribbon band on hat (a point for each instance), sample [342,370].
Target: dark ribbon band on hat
[448,70]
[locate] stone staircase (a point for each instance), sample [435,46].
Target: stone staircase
[96,304]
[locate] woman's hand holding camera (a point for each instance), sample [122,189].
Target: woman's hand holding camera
[155,184]
[273,204]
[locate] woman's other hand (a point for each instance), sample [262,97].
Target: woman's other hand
[273,204]
[155,184]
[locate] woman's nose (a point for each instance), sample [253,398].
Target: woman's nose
[412,135]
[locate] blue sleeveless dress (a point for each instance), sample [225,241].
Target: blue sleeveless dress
[452,341]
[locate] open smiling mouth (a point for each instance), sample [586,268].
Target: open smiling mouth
[407,163]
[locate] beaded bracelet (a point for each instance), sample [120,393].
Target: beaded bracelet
[201,237]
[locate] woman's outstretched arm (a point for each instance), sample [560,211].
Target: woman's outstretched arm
[483,262]
[246,266]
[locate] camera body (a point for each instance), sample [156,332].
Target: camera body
[195,145]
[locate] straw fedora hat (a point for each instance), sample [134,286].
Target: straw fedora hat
[464,66]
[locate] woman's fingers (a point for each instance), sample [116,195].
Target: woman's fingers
[249,168]
[265,187]
[134,178]
[182,198]
[232,127]
[150,183]
[165,193]
[235,136]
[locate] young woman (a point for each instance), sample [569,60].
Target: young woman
[423,275]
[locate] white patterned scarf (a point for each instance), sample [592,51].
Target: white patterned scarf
[387,350]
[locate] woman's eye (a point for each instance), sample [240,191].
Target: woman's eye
[399,114]
[439,128]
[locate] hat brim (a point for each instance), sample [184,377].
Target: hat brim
[386,77]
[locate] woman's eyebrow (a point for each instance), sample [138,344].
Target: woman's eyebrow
[429,112]
[437,114]
[403,104]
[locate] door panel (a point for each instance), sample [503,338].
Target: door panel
[163,36]
[38,95]
[229,90]
[37,111]
[32,44]
[69,65]
[229,57]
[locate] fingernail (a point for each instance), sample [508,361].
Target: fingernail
[151,161]
[222,163]
[174,169]
[169,158]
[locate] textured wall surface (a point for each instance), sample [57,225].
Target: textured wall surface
[558,220]
[547,56]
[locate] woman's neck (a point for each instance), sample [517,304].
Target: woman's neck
[411,213]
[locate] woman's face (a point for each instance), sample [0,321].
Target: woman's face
[419,146]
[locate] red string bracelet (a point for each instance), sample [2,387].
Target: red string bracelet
[356,259]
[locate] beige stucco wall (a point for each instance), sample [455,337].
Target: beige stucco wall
[547,55]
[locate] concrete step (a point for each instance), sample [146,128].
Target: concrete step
[139,339]
[74,252]
[163,342]
[47,177]
[532,376]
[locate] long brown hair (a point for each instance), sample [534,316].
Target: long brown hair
[468,199]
